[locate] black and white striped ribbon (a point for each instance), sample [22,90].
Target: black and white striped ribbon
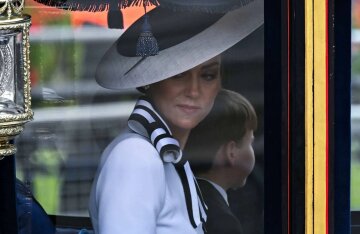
[145,121]
[195,204]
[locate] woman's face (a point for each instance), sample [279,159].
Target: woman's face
[185,99]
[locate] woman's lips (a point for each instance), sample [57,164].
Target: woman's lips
[188,109]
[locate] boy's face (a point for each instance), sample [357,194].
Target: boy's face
[245,158]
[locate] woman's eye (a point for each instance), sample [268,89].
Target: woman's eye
[209,76]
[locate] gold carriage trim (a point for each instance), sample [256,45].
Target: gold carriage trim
[316,111]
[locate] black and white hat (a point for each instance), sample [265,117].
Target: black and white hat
[185,40]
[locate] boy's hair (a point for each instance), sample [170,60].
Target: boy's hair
[231,116]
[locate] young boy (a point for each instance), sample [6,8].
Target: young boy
[221,155]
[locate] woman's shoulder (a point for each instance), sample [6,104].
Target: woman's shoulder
[127,134]
[132,143]
[130,148]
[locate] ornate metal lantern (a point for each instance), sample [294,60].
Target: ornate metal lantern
[15,100]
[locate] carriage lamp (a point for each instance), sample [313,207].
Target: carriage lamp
[15,100]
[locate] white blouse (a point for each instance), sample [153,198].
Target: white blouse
[134,191]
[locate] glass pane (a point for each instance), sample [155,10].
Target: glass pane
[75,118]
[11,89]
[19,69]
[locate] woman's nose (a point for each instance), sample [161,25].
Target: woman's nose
[193,86]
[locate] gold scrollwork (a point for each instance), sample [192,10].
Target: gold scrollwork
[6,65]
[6,149]
[11,131]
[10,6]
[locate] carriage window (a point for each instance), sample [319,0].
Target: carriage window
[75,119]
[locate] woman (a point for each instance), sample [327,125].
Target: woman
[143,185]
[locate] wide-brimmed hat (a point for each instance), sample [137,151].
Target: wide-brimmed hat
[185,40]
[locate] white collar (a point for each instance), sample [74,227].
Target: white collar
[219,189]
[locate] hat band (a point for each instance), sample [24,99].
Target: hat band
[168,27]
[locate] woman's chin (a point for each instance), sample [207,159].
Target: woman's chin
[187,124]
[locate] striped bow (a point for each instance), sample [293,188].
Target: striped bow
[145,121]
